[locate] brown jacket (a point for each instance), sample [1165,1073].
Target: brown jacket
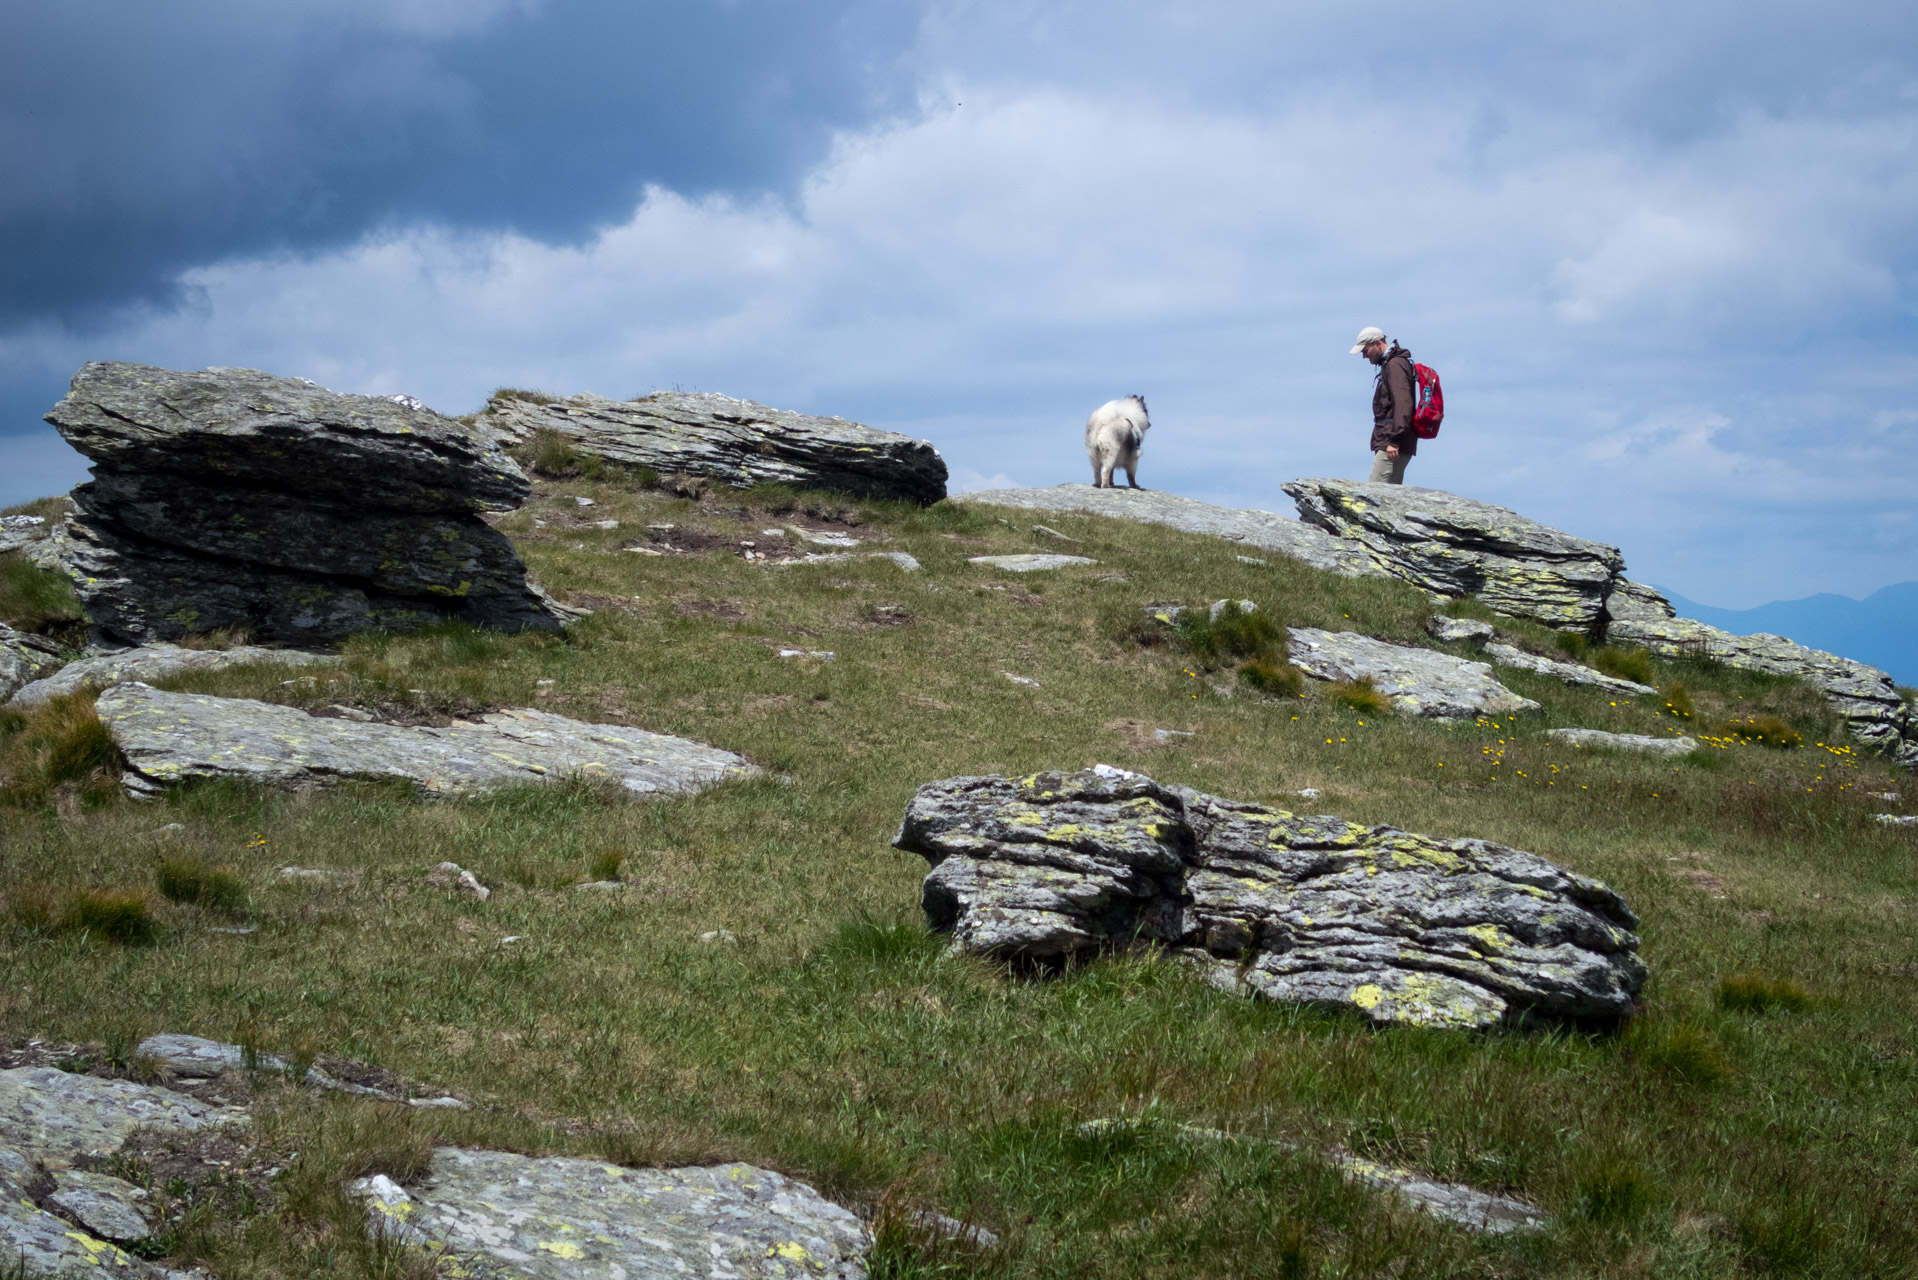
[1392,401]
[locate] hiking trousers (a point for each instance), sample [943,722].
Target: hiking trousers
[1387,470]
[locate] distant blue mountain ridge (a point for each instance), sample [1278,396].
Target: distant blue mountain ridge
[1881,629]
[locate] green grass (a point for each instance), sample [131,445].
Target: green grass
[33,599]
[837,1041]
[192,882]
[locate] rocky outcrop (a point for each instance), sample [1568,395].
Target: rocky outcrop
[169,738]
[230,498]
[1400,927]
[1569,672]
[156,662]
[1459,630]
[1865,698]
[735,441]
[1453,546]
[24,658]
[1681,746]
[1636,602]
[1420,682]
[17,531]
[1261,529]
[559,1218]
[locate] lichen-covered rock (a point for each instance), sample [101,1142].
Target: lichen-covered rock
[44,1247]
[1420,682]
[55,1117]
[1865,698]
[1636,602]
[231,498]
[24,658]
[735,441]
[1681,746]
[561,1218]
[156,662]
[106,1206]
[1570,672]
[1454,546]
[1401,927]
[17,531]
[1261,529]
[1459,630]
[173,737]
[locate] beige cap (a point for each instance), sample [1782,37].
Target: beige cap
[1368,335]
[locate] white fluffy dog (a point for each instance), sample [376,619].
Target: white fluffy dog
[1114,435]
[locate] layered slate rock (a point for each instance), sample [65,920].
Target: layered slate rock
[169,738]
[562,1218]
[156,662]
[1454,546]
[1570,672]
[1401,927]
[1865,698]
[1419,682]
[24,658]
[231,498]
[735,441]
[1260,529]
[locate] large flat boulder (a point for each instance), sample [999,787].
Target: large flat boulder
[1258,529]
[57,1117]
[560,1218]
[231,498]
[1455,546]
[1419,682]
[735,441]
[169,738]
[1865,698]
[1398,926]
[155,662]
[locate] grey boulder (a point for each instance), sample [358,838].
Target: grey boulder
[1261,529]
[1419,682]
[106,1206]
[24,659]
[562,1218]
[1459,630]
[735,441]
[1864,698]
[56,1117]
[169,738]
[1570,672]
[1316,910]
[1455,546]
[40,1245]
[156,662]
[17,531]
[1032,563]
[231,498]
[1640,742]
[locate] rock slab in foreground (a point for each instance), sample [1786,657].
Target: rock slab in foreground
[737,441]
[1624,741]
[172,737]
[156,662]
[1865,698]
[231,498]
[561,1218]
[1401,927]
[1420,682]
[1455,546]
[1261,529]
[55,1117]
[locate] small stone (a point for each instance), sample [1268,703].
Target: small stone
[306,873]
[601,886]
[1164,734]
[445,1103]
[605,524]
[1112,771]
[106,1206]
[1025,680]
[721,936]
[237,930]
[1030,563]
[1624,741]
[1308,793]
[900,558]
[818,655]
[1459,630]
[585,502]
[941,1227]
[1883,795]
[1896,819]
[1054,533]
[824,538]
[1250,560]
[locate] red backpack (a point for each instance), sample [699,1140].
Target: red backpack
[1428,403]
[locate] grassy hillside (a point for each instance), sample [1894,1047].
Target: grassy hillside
[1759,1117]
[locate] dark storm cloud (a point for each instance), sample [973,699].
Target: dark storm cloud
[139,140]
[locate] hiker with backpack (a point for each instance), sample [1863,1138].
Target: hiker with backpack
[1407,405]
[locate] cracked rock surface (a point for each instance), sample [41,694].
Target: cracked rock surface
[561,1218]
[736,441]
[1570,672]
[1398,926]
[24,659]
[1864,697]
[155,662]
[1455,546]
[1420,682]
[1261,529]
[231,498]
[172,737]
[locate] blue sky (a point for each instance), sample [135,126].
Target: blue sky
[1666,257]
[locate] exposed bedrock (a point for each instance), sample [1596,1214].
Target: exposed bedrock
[1454,546]
[1865,698]
[1401,927]
[735,441]
[1420,682]
[231,498]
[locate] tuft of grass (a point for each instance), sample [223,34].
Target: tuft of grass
[1359,695]
[1614,1189]
[60,742]
[1757,992]
[1683,1052]
[606,865]
[1472,607]
[1766,731]
[1130,627]
[35,599]
[522,393]
[1574,644]
[881,941]
[1280,679]
[1236,635]
[223,638]
[116,915]
[1624,661]
[1783,1235]
[1678,701]
[552,454]
[200,884]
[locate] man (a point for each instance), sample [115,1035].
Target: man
[1394,396]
